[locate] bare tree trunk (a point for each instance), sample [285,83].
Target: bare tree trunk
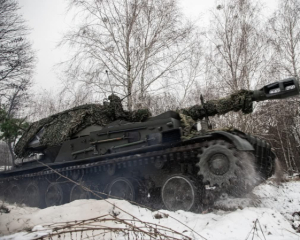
[293,54]
[291,154]
[288,166]
[129,91]
[11,154]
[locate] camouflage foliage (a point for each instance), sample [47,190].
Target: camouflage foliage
[241,100]
[139,115]
[62,126]
[187,123]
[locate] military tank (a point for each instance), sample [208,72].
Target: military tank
[173,160]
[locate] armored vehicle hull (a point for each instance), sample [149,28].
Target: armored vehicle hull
[155,162]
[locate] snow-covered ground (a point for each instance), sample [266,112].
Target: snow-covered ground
[267,214]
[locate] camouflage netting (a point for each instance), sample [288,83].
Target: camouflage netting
[60,127]
[241,100]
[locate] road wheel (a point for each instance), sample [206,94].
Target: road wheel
[179,193]
[56,194]
[77,192]
[13,193]
[122,188]
[33,196]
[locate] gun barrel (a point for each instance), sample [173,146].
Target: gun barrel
[278,90]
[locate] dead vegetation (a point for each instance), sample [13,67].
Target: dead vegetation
[112,225]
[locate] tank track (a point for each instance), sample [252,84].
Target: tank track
[185,157]
[181,153]
[265,158]
[182,156]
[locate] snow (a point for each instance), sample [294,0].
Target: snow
[270,213]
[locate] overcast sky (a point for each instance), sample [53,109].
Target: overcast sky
[48,21]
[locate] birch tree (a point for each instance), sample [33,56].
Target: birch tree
[126,46]
[236,52]
[16,68]
[284,30]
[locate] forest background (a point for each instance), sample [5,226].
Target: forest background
[148,53]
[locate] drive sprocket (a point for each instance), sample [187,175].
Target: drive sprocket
[222,165]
